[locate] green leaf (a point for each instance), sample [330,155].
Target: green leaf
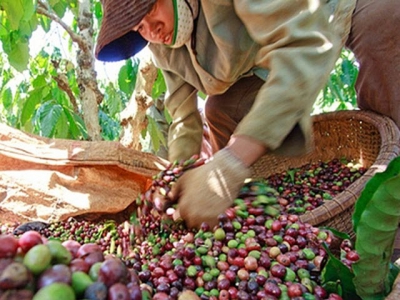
[53,2]
[18,57]
[167,116]
[202,95]
[110,127]
[98,11]
[59,8]
[61,128]
[42,59]
[45,23]
[152,129]
[114,102]
[30,105]
[39,82]
[49,114]
[335,271]
[159,86]
[341,235]
[372,185]
[127,78]
[76,125]
[33,23]
[375,220]
[291,174]
[29,9]
[25,30]
[15,12]
[349,74]
[6,98]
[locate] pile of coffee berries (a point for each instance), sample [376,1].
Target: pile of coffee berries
[259,250]
[33,267]
[308,187]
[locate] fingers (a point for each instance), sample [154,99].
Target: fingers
[175,195]
[176,215]
[164,201]
[158,200]
[176,190]
[161,201]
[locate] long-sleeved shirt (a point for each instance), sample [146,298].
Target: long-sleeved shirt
[293,43]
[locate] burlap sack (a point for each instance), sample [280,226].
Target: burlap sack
[53,179]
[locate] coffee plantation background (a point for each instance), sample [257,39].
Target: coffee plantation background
[51,85]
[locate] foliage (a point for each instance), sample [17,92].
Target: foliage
[17,22]
[375,219]
[375,222]
[116,98]
[127,76]
[158,119]
[43,96]
[36,102]
[338,278]
[339,92]
[159,87]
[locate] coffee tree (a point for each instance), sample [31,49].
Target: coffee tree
[58,94]
[53,93]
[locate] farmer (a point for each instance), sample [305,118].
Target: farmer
[262,64]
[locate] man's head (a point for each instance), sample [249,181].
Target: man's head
[128,25]
[117,40]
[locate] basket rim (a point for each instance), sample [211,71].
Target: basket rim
[390,148]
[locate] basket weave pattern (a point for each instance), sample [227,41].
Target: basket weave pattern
[361,136]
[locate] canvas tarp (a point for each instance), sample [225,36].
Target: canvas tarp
[51,180]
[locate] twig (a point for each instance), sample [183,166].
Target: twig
[64,86]
[45,10]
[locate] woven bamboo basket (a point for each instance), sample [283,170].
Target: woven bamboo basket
[362,136]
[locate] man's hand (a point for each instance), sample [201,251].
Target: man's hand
[205,192]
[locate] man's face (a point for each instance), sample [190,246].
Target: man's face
[158,25]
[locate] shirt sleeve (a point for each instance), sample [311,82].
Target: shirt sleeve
[186,130]
[299,48]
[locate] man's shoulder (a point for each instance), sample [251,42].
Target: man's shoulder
[165,57]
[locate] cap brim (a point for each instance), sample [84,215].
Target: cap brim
[122,48]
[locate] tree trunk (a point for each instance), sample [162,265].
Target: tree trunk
[133,117]
[91,97]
